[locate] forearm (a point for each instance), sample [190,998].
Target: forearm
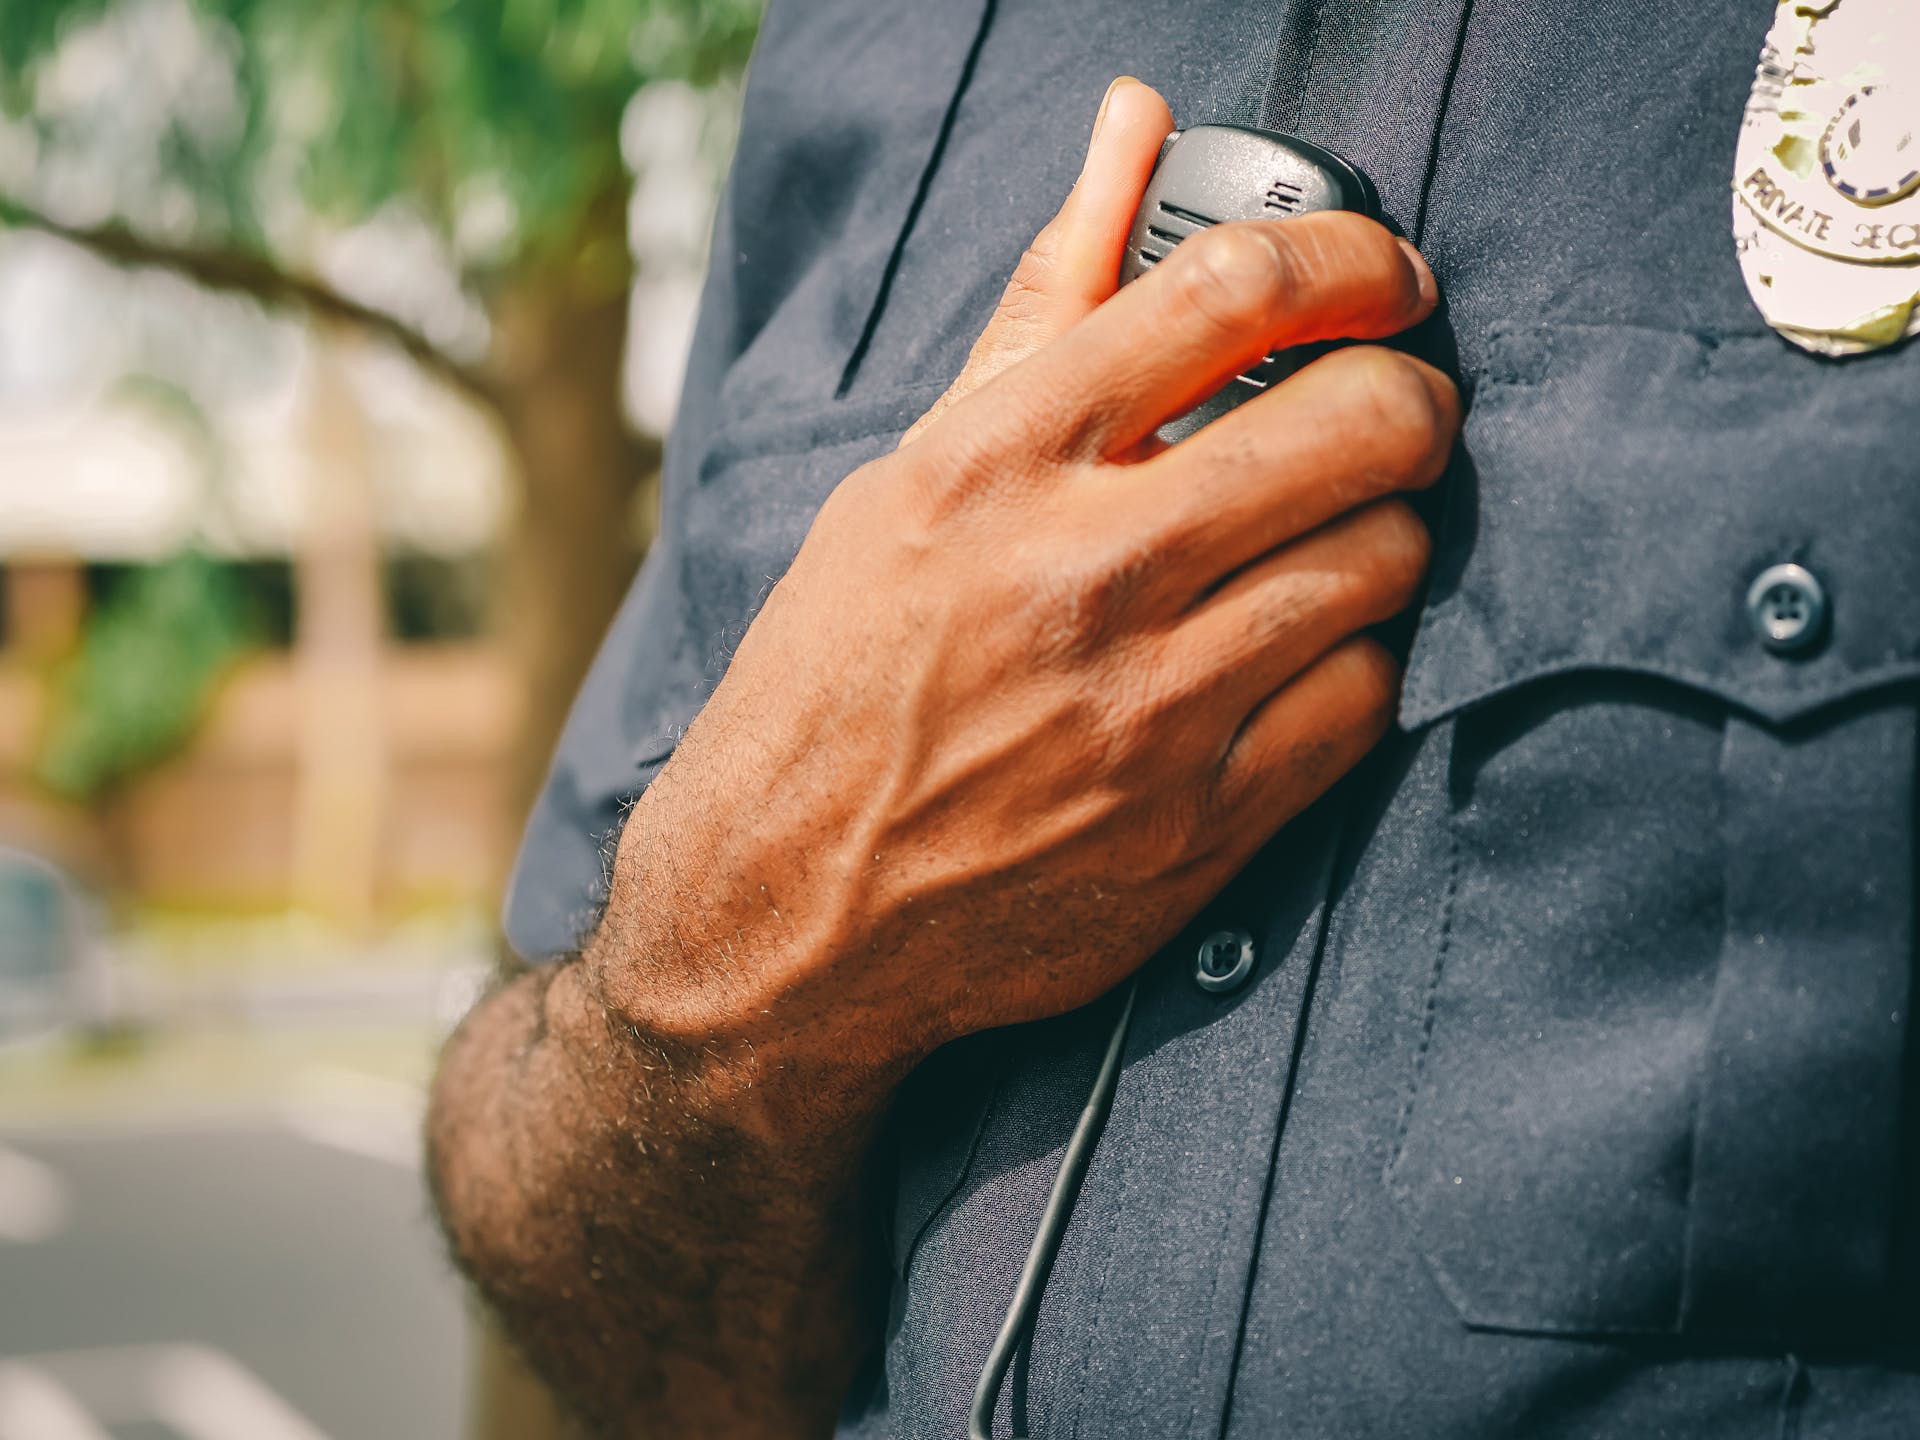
[670,1270]
[1029,695]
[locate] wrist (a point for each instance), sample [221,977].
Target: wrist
[727,1005]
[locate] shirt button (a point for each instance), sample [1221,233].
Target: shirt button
[1787,608]
[1224,961]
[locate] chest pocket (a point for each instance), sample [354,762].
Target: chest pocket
[1659,1085]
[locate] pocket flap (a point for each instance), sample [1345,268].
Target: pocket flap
[1623,488]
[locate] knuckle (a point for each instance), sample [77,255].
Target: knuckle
[1399,550]
[1397,281]
[1119,728]
[1246,448]
[1233,275]
[952,463]
[1445,398]
[1316,760]
[1313,253]
[1381,559]
[1186,823]
[1329,264]
[1183,689]
[1133,733]
[1361,258]
[1067,623]
[1372,679]
[1396,401]
[1084,604]
[1404,541]
[1044,248]
[1031,286]
[952,468]
[1285,609]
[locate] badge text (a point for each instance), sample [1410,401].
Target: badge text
[1783,212]
[1789,214]
[1886,237]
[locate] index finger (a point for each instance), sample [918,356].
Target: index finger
[1217,305]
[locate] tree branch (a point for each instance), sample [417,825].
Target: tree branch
[240,273]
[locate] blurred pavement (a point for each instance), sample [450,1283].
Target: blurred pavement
[221,1232]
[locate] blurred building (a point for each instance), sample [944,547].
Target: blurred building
[360,752]
[348,759]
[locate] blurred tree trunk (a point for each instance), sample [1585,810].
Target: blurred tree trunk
[340,631]
[570,552]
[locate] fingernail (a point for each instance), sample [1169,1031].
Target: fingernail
[1100,118]
[1422,273]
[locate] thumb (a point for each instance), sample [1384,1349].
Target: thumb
[1074,263]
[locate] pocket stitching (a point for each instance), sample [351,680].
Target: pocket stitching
[1442,951]
[1757,699]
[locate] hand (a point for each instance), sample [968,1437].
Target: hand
[1035,687]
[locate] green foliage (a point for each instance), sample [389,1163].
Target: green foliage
[134,691]
[251,128]
[349,105]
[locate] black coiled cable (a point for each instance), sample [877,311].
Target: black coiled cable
[1053,1223]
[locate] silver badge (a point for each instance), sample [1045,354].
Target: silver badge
[1826,179]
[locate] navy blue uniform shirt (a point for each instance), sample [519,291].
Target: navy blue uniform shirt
[1568,1094]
